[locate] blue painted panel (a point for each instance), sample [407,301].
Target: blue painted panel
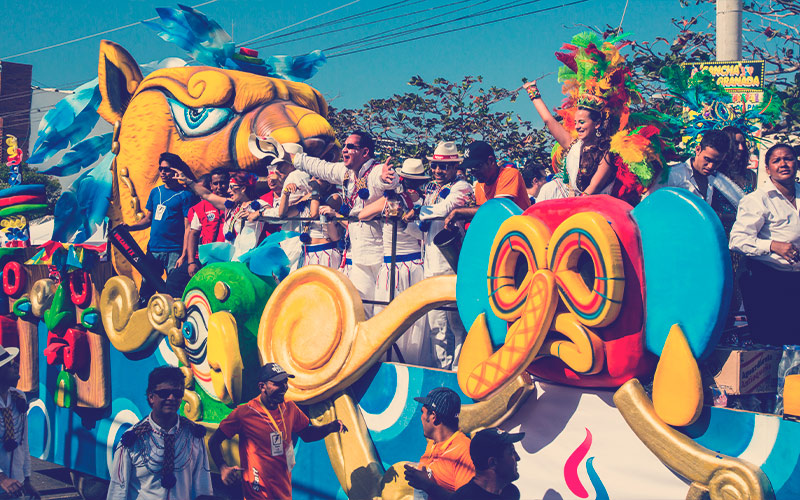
[471,289]
[687,267]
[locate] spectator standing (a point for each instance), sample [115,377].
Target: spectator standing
[364,181]
[443,195]
[493,182]
[399,206]
[205,219]
[265,426]
[699,174]
[15,457]
[166,214]
[492,451]
[446,463]
[164,455]
[767,231]
[535,176]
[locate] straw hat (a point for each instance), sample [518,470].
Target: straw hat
[446,151]
[7,354]
[413,169]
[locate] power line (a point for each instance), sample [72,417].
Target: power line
[351,17]
[297,23]
[93,35]
[538,11]
[367,24]
[388,35]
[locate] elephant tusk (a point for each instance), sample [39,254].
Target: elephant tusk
[128,328]
[712,474]
[224,357]
[584,352]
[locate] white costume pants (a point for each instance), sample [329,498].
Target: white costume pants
[324,254]
[414,344]
[364,278]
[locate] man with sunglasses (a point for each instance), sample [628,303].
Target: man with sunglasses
[164,455]
[364,181]
[442,195]
[265,426]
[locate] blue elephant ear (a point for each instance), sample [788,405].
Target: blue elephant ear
[687,269]
[471,290]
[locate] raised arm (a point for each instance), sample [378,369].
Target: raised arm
[560,134]
[334,173]
[200,190]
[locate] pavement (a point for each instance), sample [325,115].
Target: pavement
[53,481]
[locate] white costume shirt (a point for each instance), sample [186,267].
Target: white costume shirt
[437,207]
[366,237]
[574,165]
[136,470]
[763,216]
[682,175]
[15,464]
[553,190]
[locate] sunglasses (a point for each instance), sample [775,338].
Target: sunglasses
[351,146]
[442,166]
[165,393]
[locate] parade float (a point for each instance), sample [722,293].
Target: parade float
[557,348]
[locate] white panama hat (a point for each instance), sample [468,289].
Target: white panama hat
[7,354]
[446,151]
[413,169]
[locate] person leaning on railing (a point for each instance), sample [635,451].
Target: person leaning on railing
[767,231]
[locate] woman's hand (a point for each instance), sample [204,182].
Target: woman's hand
[327,211]
[786,250]
[289,188]
[253,216]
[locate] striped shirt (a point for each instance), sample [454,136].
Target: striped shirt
[449,461]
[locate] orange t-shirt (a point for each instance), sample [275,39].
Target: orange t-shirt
[509,184]
[449,461]
[264,476]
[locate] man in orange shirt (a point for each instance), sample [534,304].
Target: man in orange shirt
[493,182]
[265,426]
[446,463]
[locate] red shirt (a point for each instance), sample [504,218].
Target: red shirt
[264,476]
[509,184]
[207,219]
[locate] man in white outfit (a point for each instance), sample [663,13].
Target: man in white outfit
[364,181]
[445,193]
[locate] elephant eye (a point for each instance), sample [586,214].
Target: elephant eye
[195,331]
[196,122]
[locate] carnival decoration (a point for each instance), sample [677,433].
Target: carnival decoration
[13,159]
[595,77]
[707,105]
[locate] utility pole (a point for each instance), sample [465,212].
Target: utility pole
[729,30]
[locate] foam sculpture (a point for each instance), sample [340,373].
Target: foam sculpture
[203,114]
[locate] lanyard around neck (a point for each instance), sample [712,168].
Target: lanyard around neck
[272,420]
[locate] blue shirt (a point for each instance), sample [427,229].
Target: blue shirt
[166,231]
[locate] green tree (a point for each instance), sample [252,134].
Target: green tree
[410,125]
[30,176]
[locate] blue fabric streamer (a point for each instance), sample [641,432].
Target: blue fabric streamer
[81,209]
[23,189]
[84,153]
[68,123]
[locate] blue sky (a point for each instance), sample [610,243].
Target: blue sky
[502,53]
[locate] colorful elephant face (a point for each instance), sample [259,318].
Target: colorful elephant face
[567,296]
[223,303]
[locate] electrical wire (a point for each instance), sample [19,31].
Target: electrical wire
[93,34]
[517,16]
[297,23]
[366,24]
[345,19]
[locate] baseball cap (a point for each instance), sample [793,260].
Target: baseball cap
[476,154]
[490,443]
[273,372]
[445,402]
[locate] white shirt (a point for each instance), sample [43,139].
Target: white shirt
[682,175]
[135,472]
[766,215]
[437,207]
[15,464]
[366,237]
[553,190]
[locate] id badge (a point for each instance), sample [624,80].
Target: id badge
[160,209]
[277,443]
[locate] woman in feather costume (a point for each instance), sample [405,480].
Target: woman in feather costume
[598,150]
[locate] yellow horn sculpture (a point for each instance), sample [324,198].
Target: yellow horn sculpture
[313,326]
